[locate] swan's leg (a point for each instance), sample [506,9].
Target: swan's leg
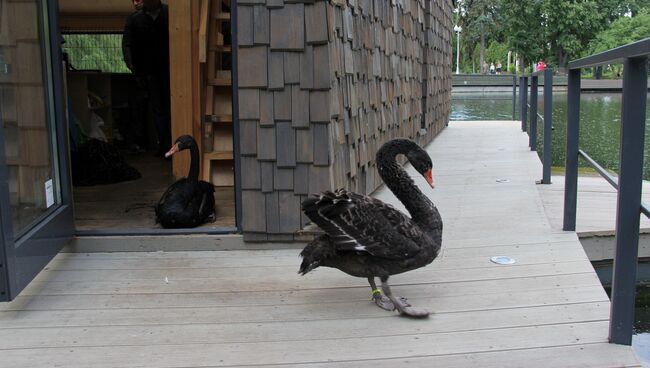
[402,307]
[382,301]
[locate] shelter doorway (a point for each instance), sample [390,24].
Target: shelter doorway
[104,102]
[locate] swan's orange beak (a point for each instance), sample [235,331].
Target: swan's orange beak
[172,150]
[429,177]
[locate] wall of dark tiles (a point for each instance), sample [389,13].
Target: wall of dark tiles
[322,85]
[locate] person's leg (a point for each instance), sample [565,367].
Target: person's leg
[159,100]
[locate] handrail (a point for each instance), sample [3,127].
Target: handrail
[547,118]
[611,179]
[613,56]
[629,182]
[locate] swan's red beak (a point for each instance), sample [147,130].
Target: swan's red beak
[172,150]
[429,177]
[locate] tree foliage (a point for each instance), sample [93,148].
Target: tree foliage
[524,29]
[570,25]
[556,31]
[95,52]
[622,31]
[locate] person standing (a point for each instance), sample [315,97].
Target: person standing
[145,45]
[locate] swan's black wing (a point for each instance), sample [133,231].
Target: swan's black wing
[186,204]
[364,224]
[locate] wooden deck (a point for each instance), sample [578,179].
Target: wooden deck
[250,308]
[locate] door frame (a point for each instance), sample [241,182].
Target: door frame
[23,258]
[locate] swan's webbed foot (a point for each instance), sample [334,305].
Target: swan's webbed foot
[401,305]
[383,302]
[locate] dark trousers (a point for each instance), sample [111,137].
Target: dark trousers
[159,101]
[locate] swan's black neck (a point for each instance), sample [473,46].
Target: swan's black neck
[194,162]
[422,210]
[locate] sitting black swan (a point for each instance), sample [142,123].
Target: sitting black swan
[189,202]
[365,237]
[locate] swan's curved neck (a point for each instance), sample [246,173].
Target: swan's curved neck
[422,210]
[194,162]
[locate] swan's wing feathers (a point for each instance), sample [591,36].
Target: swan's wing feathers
[363,224]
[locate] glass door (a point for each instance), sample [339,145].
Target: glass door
[36,216]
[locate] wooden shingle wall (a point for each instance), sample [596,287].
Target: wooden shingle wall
[322,84]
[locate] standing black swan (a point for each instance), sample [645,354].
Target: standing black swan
[189,202]
[365,237]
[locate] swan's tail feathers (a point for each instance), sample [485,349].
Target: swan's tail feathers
[313,255]
[322,208]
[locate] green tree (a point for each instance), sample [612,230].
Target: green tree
[570,25]
[479,19]
[523,29]
[496,52]
[622,31]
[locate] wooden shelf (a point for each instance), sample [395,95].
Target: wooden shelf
[218,119]
[218,155]
[222,82]
[221,48]
[223,16]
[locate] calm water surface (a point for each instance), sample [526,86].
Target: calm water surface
[600,120]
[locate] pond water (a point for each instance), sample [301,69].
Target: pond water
[600,119]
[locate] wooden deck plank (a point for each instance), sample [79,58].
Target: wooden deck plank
[208,298]
[219,333]
[283,278]
[318,350]
[243,308]
[307,311]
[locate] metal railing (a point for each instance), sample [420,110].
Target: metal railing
[629,182]
[547,118]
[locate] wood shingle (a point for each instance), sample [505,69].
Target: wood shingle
[321,144]
[305,145]
[253,205]
[282,104]
[249,104]
[252,67]
[301,179]
[250,173]
[266,143]
[245,25]
[322,71]
[291,68]
[319,110]
[272,212]
[307,68]
[266,109]
[282,178]
[289,212]
[288,27]
[262,25]
[316,23]
[276,70]
[299,107]
[285,145]
[267,176]
[248,137]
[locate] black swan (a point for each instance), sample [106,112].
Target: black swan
[365,237]
[189,202]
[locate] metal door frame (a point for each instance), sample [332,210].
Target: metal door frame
[23,258]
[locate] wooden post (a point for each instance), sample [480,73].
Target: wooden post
[184,76]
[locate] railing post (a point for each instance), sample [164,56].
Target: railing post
[514,97]
[548,125]
[635,92]
[523,90]
[532,131]
[572,140]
